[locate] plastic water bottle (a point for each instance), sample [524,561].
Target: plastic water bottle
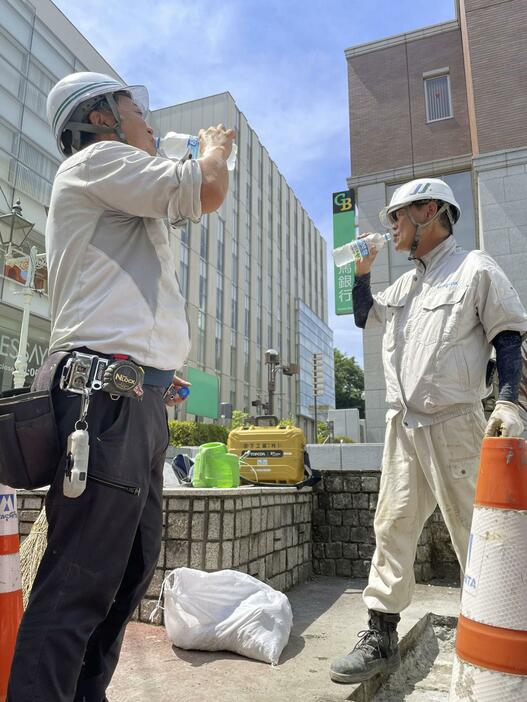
[359,248]
[182,146]
[171,393]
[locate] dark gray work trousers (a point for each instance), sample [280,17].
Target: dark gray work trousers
[102,551]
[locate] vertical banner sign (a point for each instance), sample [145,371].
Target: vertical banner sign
[343,232]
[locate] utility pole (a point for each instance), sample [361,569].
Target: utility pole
[272,361]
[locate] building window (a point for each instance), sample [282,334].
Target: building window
[247,270]
[201,338]
[183,270]
[202,285]
[233,393]
[218,346]
[438,100]
[246,362]
[220,244]
[233,355]
[235,262]
[185,233]
[259,324]
[204,237]
[248,195]
[247,317]
[219,297]
[234,307]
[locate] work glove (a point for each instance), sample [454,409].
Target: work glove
[505,420]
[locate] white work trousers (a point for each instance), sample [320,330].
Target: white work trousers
[422,468]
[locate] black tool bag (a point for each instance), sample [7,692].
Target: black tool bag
[29,443]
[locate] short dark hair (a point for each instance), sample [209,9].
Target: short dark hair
[87,138]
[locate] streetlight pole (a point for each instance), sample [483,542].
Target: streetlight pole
[14,230]
[271,387]
[20,372]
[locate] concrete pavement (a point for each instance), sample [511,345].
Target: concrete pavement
[328,613]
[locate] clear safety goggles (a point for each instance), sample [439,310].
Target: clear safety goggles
[140,97]
[388,219]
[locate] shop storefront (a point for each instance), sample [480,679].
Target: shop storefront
[37,345]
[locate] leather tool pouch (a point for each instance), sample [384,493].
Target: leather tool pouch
[29,443]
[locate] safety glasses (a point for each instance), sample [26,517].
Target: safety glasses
[388,219]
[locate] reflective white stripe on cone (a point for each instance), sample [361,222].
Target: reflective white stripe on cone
[10,580]
[474,684]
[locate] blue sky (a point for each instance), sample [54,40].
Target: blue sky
[282,61]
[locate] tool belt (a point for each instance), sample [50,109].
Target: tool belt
[29,442]
[118,375]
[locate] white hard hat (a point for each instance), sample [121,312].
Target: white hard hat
[422,189]
[75,96]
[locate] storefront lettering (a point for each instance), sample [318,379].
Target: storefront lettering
[9,350]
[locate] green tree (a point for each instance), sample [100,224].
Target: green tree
[349,382]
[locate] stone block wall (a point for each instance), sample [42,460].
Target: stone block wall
[265,532]
[279,535]
[343,538]
[29,505]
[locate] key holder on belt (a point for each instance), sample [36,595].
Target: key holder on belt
[78,453]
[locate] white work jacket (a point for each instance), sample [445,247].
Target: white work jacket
[112,274]
[438,325]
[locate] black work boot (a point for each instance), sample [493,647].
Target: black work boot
[377,651]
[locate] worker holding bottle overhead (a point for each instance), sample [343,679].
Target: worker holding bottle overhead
[441,322]
[116,306]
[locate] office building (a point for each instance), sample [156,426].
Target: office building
[251,273]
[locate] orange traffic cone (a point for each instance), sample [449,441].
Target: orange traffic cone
[10,584]
[491,643]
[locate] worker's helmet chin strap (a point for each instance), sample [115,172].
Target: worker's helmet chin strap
[77,127]
[115,111]
[419,227]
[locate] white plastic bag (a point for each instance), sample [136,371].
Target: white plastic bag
[226,611]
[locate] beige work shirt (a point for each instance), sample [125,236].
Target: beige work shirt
[438,328]
[112,274]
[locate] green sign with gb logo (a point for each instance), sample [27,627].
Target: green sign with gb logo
[343,232]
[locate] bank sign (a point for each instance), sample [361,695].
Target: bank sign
[343,233]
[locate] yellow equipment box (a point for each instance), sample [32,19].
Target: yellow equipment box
[269,454]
